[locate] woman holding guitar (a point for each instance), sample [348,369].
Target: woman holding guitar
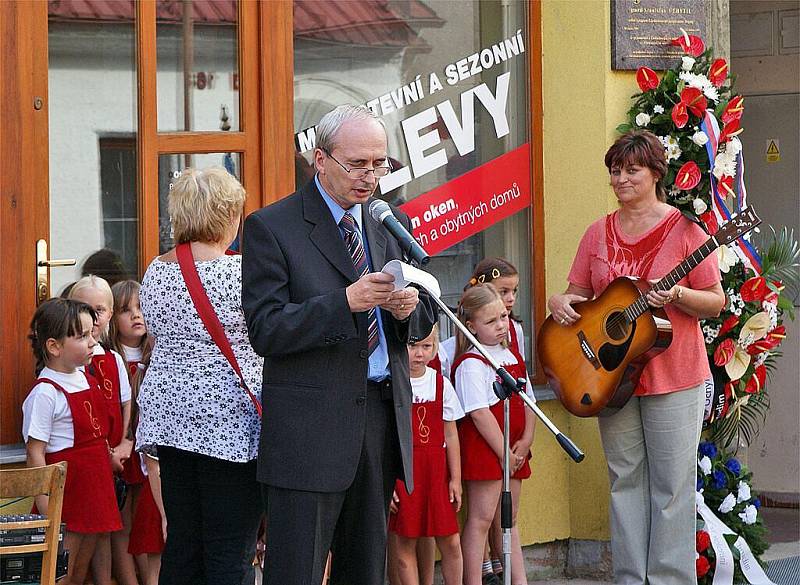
[650,443]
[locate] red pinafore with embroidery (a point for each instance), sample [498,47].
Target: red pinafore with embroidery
[104,369]
[90,504]
[478,461]
[427,511]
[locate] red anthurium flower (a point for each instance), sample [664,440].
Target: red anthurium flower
[728,324]
[718,72]
[702,540]
[680,115]
[691,44]
[728,392]
[725,186]
[688,176]
[710,221]
[724,352]
[754,289]
[646,78]
[695,101]
[771,341]
[756,382]
[730,130]
[702,566]
[734,110]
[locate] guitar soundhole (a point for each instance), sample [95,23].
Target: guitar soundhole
[617,326]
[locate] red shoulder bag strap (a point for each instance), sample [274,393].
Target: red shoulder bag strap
[208,316]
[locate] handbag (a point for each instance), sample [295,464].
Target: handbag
[208,316]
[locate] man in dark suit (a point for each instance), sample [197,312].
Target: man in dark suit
[336,429]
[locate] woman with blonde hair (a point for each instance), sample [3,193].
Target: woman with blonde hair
[192,406]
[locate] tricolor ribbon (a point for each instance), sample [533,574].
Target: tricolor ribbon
[741,247]
[723,569]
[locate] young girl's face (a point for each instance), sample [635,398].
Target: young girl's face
[490,323]
[508,287]
[75,350]
[99,301]
[420,353]
[130,323]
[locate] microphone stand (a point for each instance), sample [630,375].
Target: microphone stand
[504,388]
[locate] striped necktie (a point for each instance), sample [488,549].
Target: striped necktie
[352,240]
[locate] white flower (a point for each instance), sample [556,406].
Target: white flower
[727,504]
[760,358]
[658,109]
[734,145]
[642,119]
[727,259]
[725,163]
[700,138]
[687,63]
[744,492]
[700,82]
[671,148]
[700,206]
[711,93]
[749,514]
[771,309]
[705,465]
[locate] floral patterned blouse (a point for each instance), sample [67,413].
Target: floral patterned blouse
[190,397]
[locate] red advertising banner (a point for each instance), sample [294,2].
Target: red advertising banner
[472,202]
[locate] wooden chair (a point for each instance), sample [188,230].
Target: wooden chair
[34,481]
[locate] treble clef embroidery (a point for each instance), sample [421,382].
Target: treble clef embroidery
[424,430]
[108,387]
[87,406]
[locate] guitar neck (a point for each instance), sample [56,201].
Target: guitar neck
[639,306]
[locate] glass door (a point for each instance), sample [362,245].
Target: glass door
[125,95]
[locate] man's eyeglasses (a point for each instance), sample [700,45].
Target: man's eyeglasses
[362,172]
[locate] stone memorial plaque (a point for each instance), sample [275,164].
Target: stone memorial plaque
[642,29]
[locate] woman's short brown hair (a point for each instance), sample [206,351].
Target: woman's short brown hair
[202,204]
[641,148]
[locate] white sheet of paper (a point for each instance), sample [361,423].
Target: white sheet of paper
[405,274]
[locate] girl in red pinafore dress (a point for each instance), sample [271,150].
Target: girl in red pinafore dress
[109,369]
[481,433]
[65,419]
[431,509]
[141,537]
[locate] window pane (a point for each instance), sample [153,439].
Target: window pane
[169,169]
[198,70]
[93,205]
[383,54]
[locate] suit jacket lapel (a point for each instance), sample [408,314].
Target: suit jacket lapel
[325,233]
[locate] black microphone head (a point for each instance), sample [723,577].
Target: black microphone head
[378,209]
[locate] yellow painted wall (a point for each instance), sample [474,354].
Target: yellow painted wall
[583,101]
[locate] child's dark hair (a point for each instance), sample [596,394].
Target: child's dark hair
[58,319]
[490,269]
[123,292]
[473,300]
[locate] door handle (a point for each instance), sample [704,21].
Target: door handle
[43,264]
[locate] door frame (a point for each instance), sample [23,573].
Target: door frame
[265,142]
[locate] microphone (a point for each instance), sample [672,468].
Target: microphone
[382,213]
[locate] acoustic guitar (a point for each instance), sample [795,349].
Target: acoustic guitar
[594,364]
